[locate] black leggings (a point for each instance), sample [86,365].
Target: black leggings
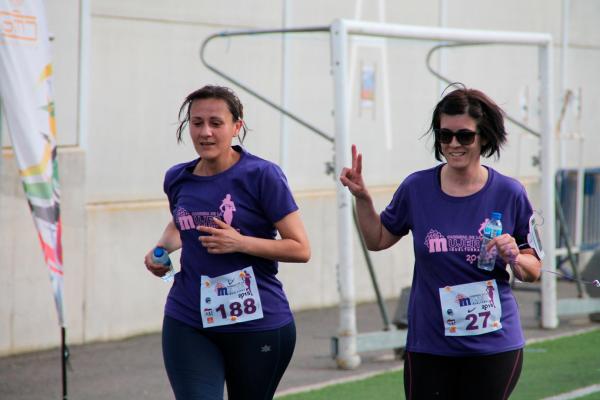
[492,377]
[198,362]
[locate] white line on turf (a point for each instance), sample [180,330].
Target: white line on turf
[353,378]
[575,394]
[562,335]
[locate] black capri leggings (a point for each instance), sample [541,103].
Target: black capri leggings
[198,362]
[491,377]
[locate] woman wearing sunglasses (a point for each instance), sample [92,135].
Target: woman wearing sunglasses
[464,335]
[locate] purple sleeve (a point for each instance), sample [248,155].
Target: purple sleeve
[396,216]
[171,177]
[275,195]
[168,181]
[166,187]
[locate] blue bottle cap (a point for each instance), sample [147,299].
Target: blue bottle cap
[158,251]
[497,215]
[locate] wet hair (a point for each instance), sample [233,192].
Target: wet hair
[488,116]
[212,92]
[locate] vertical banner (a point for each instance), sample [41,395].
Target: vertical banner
[26,92]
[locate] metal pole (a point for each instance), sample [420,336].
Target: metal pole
[442,22]
[1,133]
[347,357]
[65,357]
[563,77]
[563,231]
[368,28]
[285,83]
[549,301]
[246,87]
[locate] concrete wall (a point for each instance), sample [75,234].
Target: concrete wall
[144,60]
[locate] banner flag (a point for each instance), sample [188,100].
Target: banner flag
[27,100]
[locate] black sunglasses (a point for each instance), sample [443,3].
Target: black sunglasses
[464,136]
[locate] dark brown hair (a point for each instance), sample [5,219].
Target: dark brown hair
[212,92]
[488,116]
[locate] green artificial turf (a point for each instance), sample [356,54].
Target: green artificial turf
[551,367]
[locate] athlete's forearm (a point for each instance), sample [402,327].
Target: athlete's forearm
[369,223]
[170,238]
[286,250]
[526,267]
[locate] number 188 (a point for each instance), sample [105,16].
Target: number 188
[235,308]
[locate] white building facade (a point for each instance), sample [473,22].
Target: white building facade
[122,70]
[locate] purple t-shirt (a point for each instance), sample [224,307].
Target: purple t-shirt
[446,238]
[251,196]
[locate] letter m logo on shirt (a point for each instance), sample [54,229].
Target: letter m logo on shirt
[437,245]
[186,222]
[436,242]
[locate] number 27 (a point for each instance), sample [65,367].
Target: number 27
[473,318]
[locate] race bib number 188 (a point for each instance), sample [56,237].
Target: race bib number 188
[230,299]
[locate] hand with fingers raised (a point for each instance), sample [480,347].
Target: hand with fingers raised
[352,177]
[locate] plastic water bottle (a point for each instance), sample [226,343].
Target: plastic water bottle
[492,229]
[161,256]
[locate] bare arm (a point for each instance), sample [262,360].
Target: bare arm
[523,263]
[376,236]
[292,247]
[527,267]
[171,241]
[170,238]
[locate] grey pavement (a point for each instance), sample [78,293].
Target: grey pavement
[133,369]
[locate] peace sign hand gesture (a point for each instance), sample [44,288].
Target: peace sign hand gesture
[352,177]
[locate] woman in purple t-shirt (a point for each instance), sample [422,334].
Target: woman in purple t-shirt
[227,319]
[464,335]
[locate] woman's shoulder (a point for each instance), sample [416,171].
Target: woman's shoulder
[177,169]
[505,182]
[255,164]
[254,160]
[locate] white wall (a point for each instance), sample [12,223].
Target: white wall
[144,61]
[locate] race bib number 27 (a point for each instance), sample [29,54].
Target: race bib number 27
[471,309]
[230,299]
